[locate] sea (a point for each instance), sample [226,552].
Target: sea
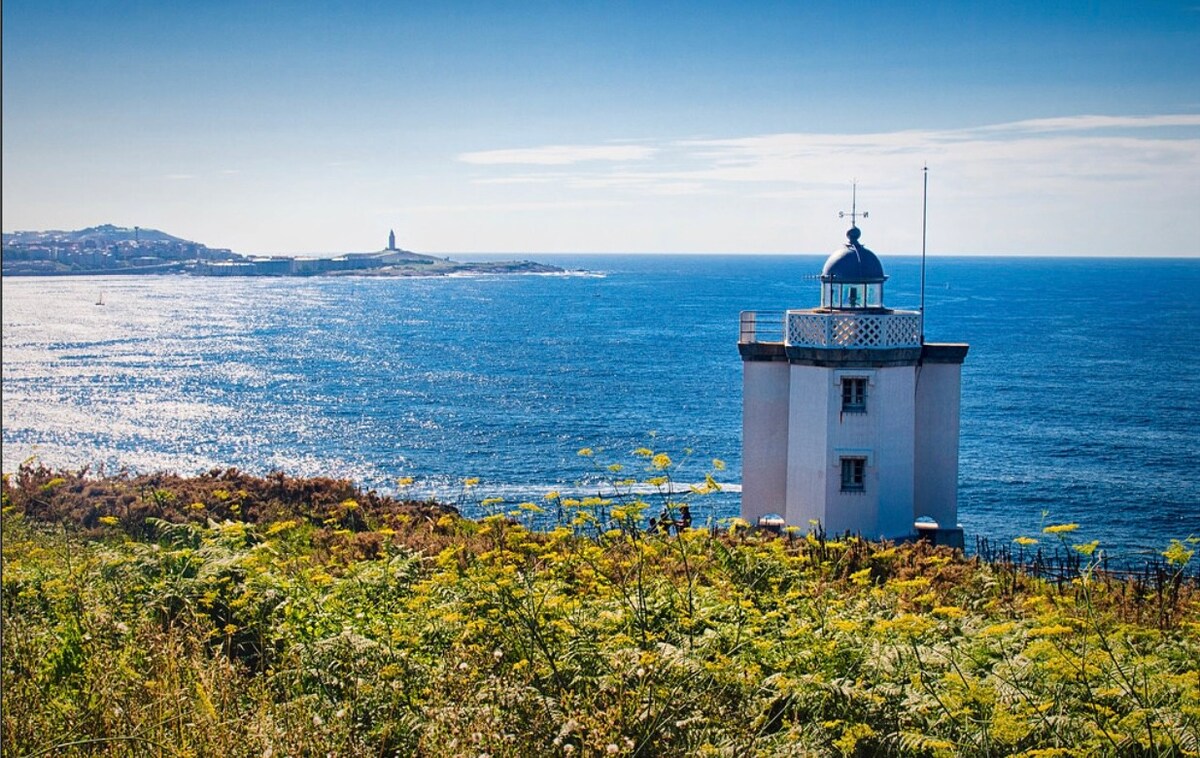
[1080,393]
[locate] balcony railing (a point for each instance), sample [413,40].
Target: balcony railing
[835,330]
[761,326]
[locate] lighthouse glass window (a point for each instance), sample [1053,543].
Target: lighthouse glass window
[854,394]
[853,471]
[852,296]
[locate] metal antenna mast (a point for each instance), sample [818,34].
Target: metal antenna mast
[853,214]
[924,218]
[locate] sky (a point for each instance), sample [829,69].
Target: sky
[1064,128]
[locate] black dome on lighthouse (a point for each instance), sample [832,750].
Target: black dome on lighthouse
[853,264]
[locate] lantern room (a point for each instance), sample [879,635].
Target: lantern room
[853,277]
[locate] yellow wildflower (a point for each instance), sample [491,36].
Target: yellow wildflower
[997,630]
[1177,554]
[280,526]
[948,611]
[1052,630]
[1060,528]
[847,744]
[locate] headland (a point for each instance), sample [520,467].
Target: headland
[109,249]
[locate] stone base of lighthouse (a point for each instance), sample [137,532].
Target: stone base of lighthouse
[856,440]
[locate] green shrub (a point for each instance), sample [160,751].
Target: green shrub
[405,630]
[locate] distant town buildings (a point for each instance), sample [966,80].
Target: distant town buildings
[110,249]
[104,249]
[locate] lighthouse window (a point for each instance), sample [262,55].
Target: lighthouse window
[854,394]
[853,470]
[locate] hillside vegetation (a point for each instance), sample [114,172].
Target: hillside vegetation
[229,615]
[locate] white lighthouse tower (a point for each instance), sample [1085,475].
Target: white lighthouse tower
[849,418]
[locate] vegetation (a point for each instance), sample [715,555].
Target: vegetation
[231,615]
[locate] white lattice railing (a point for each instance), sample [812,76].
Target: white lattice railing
[854,330]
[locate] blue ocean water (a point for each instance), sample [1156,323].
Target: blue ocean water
[1080,392]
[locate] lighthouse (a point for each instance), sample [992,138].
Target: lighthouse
[849,418]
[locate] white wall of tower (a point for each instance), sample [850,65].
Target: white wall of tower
[808,444]
[894,448]
[938,399]
[795,434]
[764,438]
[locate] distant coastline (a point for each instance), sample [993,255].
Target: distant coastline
[112,250]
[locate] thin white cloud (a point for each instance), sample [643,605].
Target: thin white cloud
[526,179]
[558,155]
[511,207]
[999,155]
[1087,123]
[180,177]
[648,183]
[1002,185]
[785,157]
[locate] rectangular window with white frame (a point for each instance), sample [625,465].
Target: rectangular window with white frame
[854,473]
[854,394]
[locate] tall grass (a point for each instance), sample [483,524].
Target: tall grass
[315,619]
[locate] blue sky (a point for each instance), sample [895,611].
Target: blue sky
[1049,128]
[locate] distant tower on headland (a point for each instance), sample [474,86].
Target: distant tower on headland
[849,418]
[391,240]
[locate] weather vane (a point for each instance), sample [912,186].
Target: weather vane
[853,214]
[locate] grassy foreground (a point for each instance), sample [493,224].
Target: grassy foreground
[228,615]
